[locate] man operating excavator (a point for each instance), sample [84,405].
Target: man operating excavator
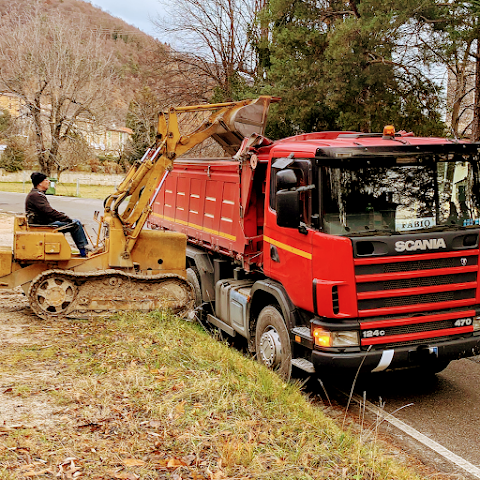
[40,212]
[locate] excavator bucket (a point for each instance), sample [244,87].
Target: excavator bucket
[242,122]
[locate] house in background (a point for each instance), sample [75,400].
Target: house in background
[11,103]
[104,140]
[101,139]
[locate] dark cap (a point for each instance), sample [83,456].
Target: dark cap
[37,178]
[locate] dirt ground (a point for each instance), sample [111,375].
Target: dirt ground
[19,325]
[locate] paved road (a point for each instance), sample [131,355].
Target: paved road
[443,407]
[80,208]
[446,406]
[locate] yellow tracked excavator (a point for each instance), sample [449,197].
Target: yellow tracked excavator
[131,268]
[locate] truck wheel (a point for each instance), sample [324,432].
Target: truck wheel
[193,278]
[272,342]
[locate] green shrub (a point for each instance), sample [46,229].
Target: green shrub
[12,157]
[5,121]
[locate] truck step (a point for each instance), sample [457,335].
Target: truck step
[303,364]
[222,325]
[303,332]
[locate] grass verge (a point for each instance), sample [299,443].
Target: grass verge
[149,396]
[65,189]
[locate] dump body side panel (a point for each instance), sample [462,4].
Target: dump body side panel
[203,199]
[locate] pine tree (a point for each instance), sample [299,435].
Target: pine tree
[340,65]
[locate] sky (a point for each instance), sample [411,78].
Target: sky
[137,13]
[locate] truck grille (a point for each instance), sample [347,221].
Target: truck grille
[417,282]
[392,285]
[424,264]
[416,302]
[421,299]
[417,328]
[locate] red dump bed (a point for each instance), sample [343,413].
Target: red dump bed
[215,204]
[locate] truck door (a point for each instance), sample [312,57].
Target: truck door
[288,249]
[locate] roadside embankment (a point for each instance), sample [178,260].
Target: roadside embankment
[146,396]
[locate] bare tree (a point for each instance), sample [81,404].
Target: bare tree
[445,37]
[74,151]
[61,71]
[213,40]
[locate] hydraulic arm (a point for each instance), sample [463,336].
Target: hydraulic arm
[131,268]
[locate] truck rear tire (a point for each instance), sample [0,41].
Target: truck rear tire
[193,278]
[272,342]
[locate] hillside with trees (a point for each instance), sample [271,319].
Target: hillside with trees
[71,64]
[345,65]
[138,59]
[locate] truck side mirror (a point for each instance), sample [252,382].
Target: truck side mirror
[288,208]
[286,179]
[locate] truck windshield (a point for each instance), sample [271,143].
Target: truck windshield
[391,195]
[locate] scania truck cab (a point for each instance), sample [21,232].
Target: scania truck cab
[335,251]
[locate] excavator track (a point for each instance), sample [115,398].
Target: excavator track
[63,293]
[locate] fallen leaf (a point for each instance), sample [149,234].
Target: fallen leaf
[175,463]
[217,475]
[133,462]
[91,426]
[37,473]
[69,460]
[125,476]
[30,466]
[189,459]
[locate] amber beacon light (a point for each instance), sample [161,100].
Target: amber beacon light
[389,131]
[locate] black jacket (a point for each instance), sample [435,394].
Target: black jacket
[40,212]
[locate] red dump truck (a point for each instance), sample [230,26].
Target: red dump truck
[335,251]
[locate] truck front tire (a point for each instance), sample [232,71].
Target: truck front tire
[272,342]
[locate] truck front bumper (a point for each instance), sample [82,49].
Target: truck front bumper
[425,355]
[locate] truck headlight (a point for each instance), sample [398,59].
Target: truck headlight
[326,338]
[476,323]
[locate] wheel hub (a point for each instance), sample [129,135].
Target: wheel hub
[55,296]
[270,348]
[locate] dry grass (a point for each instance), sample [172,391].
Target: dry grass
[65,189]
[151,396]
